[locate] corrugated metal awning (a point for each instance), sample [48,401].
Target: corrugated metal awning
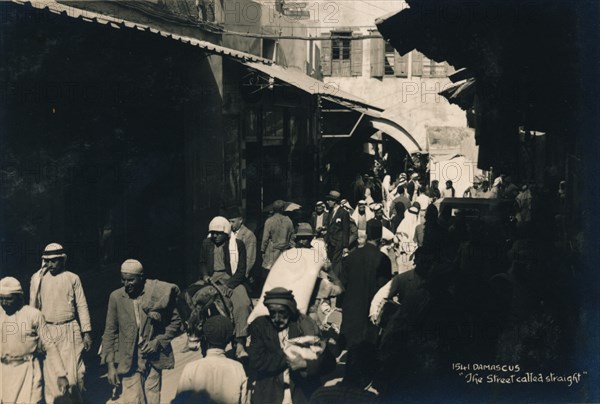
[370,111]
[461,93]
[375,120]
[291,76]
[310,85]
[103,19]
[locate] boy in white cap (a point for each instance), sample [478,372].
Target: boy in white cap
[59,295]
[223,260]
[141,322]
[23,329]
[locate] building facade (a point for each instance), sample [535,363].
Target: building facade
[346,52]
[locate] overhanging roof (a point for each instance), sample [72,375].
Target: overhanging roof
[398,133]
[369,110]
[304,82]
[461,93]
[502,44]
[55,7]
[292,76]
[374,119]
[330,92]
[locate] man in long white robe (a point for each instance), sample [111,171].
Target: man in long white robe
[406,238]
[23,330]
[59,295]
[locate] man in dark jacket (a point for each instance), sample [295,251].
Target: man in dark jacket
[402,198]
[377,209]
[140,323]
[338,231]
[279,377]
[319,219]
[399,209]
[364,272]
[223,260]
[413,185]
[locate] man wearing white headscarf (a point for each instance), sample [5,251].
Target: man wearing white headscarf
[386,190]
[496,191]
[58,294]
[424,200]
[406,237]
[223,260]
[361,215]
[413,185]
[23,330]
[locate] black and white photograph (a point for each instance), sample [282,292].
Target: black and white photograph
[299,201]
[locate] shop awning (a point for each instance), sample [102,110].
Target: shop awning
[367,114]
[461,93]
[351,115]
[397,132]
[343,119]
[368,121]
[69,10]
[310,85]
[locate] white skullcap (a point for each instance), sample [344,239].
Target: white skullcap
[132,266]
[10,286]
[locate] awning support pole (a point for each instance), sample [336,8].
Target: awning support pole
[356,124]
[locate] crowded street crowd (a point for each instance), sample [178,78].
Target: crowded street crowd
[392,290]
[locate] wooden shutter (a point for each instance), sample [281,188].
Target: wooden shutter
[400,65]
[326,55]
[441,69]
[428,69]
[417,63]
[377,57]
[356,55]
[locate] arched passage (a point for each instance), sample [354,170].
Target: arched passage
[396,132]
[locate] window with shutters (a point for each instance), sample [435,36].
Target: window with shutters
[341,54]
[341,48]
[386,61]
[377,56]
[417,64]
[433,69]
[341,45]
[401,65]
[389,60]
